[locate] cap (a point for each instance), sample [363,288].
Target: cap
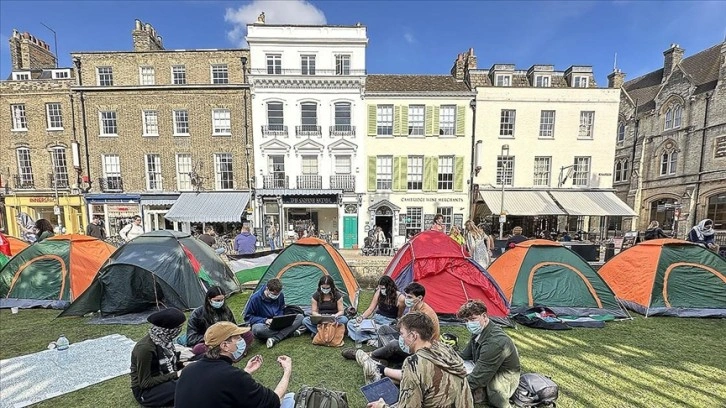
[221,331]
[168,318]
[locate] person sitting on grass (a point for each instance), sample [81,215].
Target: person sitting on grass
[433,375]
[214,381]
[386,306]
[262,307]
[327,300]
[496,361]
[155,365]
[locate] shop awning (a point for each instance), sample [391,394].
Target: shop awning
[595,203]
[521,202]
[208,207]
[295,192]
[159,199]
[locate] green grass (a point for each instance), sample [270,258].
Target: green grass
[655,362]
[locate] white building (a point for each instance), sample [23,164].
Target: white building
[309,123]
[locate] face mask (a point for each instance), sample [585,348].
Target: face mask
[406,349]
[409,302]
[216,303]
[474,327]
[383,292]
[241,347]
[325,290]
[273,297]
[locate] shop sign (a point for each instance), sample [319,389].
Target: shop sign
[56,210]
[331,199]
[41,199]
[432,200]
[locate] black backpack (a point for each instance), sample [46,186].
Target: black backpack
[316,397]
[535,390]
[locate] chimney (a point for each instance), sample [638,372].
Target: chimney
[673,57]
[616,79]
[457,71]
[29,52]
[145,37]
[470,59]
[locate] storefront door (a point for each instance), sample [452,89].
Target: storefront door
[350,232]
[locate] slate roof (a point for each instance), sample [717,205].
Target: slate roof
[414,83]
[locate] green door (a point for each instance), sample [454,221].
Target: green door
[350,232]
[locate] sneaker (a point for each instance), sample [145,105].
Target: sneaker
[372,343]
[370,368]
[299,332]
[271,343]
[349,354]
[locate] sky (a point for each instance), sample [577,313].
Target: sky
[405,37]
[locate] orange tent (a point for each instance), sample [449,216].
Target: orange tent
[16,244]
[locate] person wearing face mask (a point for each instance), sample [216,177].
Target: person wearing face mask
[386,306]
[214,381]
[704,235]
[327,300]
[495,376]
[214,310]
[433,375]
[262,307]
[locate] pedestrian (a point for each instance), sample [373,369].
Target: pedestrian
[438,224]
[478,244]
[262,307]
[272,236]
[95,229]
[654,231]
[208,236]
[44,229]
[132,229]
[516,238]
[245,242]
[704,235]
[455,234]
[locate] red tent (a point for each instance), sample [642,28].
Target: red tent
[450,277]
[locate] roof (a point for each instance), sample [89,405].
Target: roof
[414,83]
[209,207]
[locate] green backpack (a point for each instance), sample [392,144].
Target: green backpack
[316,397]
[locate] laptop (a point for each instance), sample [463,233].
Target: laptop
[281,322]
[383,388]
[316,320]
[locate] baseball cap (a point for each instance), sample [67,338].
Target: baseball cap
[221,331]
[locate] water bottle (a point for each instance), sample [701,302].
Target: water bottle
[61,346]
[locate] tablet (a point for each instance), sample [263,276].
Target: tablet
[383,388]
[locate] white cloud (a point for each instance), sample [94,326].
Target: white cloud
[409,38]
[276,12]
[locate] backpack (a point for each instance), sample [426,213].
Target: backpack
[535,390]
[316,397]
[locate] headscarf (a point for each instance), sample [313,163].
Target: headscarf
[164,338]
[701,230]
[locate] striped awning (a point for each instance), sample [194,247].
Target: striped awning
[295,192]
[218,206]
[594,203]
[529,202]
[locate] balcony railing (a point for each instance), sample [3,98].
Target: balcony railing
[308,130]
[24,182]
[310,181]
[345,182]
[111,184]
[342,130]
[57,181]
[308,72]
[273,181]
[274,130]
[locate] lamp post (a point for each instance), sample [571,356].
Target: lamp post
[502,214]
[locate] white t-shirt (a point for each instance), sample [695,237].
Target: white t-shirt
[130,231]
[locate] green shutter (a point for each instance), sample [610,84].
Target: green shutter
[403,172]
[372,121]
[431,173]
[436,123]
[429,121]
[371,173]
[459,173]
[396,120]
[396,183]
[460,120]
[404,120]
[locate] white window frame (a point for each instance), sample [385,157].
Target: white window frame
[505,170]
[147,75]
[416,120]
[218,171]
[342,64]
[19,117]
[673,117]
[21,76]
[104,78]
[542,171]
[219,74]
[448,213]
[61,74]
[547,120]
[273,63]
[111,116]
[183,172]
[343,164]
[668,162]
[622,131]
[111,165]
[580,81]
[221,122]
[154,179]
[580,175]
[150,122]
[587,125]
[445,177]
[384,172]
[621,170]
[503,80]
[307,64]
[415,225]
[279,127]
[177,115]
[309,165]
[507,122]
[414,173]
[59,163]
[542,81]
[54,115]
[25,166]
[178,74]
[384,120]
[447,120]
[340,120]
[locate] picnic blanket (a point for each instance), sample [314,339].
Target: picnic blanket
[36,377]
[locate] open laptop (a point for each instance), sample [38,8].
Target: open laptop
[281,322]
[383,388]
[316,320]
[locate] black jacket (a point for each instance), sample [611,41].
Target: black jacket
[197,325]
[217,383]
[146,372]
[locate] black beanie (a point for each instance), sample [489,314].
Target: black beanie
[168,318]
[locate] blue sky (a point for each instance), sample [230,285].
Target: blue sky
[404,36]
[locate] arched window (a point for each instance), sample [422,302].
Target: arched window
[668,162]
[621,132]
[673,117]
[621,170]
[677,113]
[668,119]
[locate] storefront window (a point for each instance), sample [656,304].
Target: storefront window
[663,212]
[414,220]
[717,210]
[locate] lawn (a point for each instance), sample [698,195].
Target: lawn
[655,362]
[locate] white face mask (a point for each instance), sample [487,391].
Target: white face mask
[273,297]
[325,290]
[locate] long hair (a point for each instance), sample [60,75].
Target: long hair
[43,225]
[327,280]
[391,290]
[653,224]
[212,315]
[473,230]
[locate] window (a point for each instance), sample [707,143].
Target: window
[542,81]
[146,76]
[448,213]
[547,124]
[60,167]
[220,75]
[447,120]
[108,123]
[179,75]
[581,82]
[581,173]
[62,74]
[414,220]
[153,172]
[307,64]
[415,166]
[506,122]
[621,170]
[181,122]
[384,168]
[416,120]
[53,116]
[716,210]
[310,165]
[112,172]
[276,165]
[542,170]
[663,211]
[505,170]
[275,118]
[309,115]
[446,173]
[342,116]
[25,168]
[223,176]
[384,120]
[668,162]
[105,76]
[221,122]
[587,119]
[342,65]
[503,80]
[274,64]
[621,132]
[151,123]
[342,165]
[673,118]
[183,171]
[21,76]
[20,121]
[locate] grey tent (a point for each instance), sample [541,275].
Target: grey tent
[166,268]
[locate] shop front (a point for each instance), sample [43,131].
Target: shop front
[66,211]
[114,210]
[155,207]
[226,211]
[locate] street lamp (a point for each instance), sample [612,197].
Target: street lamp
[502,214]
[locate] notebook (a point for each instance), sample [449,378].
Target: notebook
[383,388]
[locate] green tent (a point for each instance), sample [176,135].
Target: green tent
[3,260]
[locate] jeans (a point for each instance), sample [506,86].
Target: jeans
[262,332]
[271,242]
[314,329]
[219,251]
[288,401]
[391,352]
[356,335]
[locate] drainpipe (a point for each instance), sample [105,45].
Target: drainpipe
[474,160]
[77,63]
[693,216]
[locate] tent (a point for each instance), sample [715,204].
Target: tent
[53,272]
[544,273]
[451,278]
[301,265]
[669,277]
[16,244]
[3,260]
[162,267]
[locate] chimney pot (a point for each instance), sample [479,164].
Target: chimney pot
[147,27]
[137,24]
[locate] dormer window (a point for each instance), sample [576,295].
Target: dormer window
[503,80]
[673,117]
[542,81]
[581,82]
[62,74]
[21,76]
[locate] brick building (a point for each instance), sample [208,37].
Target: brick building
[159,123]
[670,161]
